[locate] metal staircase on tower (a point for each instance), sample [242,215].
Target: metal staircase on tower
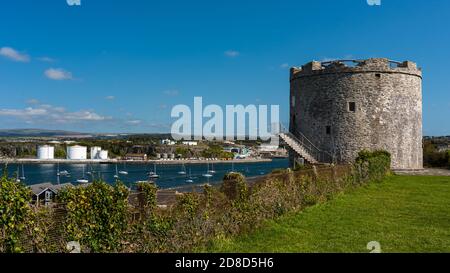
[305,148]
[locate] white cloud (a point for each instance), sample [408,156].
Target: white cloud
[232,53]
[32,101]
[134,122]
[171,92]
[46,106]
[284,66]
[85,116]
[39,115]
[46,59]
[328,59]
[14,55]
[28,112]
[49,114]
[110,97]
[58,74]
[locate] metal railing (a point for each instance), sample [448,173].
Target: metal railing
[392,63]
[309,147]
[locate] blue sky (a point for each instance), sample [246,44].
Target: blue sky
[120,66]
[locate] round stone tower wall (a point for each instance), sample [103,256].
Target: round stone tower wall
[371,104]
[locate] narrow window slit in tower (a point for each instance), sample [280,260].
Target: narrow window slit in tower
[328,129]
[352,106]
[378,75]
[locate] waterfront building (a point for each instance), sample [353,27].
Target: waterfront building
[76,152]
[190,143]
[99,153]
[95,152]
[271,151]
[268,148]
[46,152]
[168,142]
[136,157]
[103,155]
[45,193]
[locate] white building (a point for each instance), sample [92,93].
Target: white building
[99,153]
[46,152]
[168,142]
[76,152]
[268,148]
[103,155]
[95,152]
[190,143]
[443,147]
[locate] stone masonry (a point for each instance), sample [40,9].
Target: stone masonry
[344,107]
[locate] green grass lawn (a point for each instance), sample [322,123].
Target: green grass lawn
[404,214]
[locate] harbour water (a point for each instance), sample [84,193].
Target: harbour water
[169,174]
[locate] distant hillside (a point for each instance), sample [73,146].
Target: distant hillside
[37,133]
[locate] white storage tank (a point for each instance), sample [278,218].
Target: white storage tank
[46,152]
[103,155]
[95,152]
[76,152]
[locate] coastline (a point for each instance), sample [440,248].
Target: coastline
[216,183]
[113,161]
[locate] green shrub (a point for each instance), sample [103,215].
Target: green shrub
[234,186]
[96,215]
[148,191]
[448,159]
[279,171]
[373,165]
[300,167]
[15,212]
[188,204]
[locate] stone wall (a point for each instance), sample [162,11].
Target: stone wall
[387,100]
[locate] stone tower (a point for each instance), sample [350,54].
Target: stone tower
[343,107]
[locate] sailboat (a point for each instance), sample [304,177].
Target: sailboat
[23,173]
[153,174]
[207,174]
[83,180]
[63,172]
[190,179]
[117,173]
[212,169]
[183,170]
[17,174]
[123,172]
[150,172]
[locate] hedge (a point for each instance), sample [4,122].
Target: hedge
[100,218]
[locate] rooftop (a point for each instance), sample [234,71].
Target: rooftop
[353,66]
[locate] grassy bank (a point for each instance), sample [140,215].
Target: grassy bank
[404,214]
